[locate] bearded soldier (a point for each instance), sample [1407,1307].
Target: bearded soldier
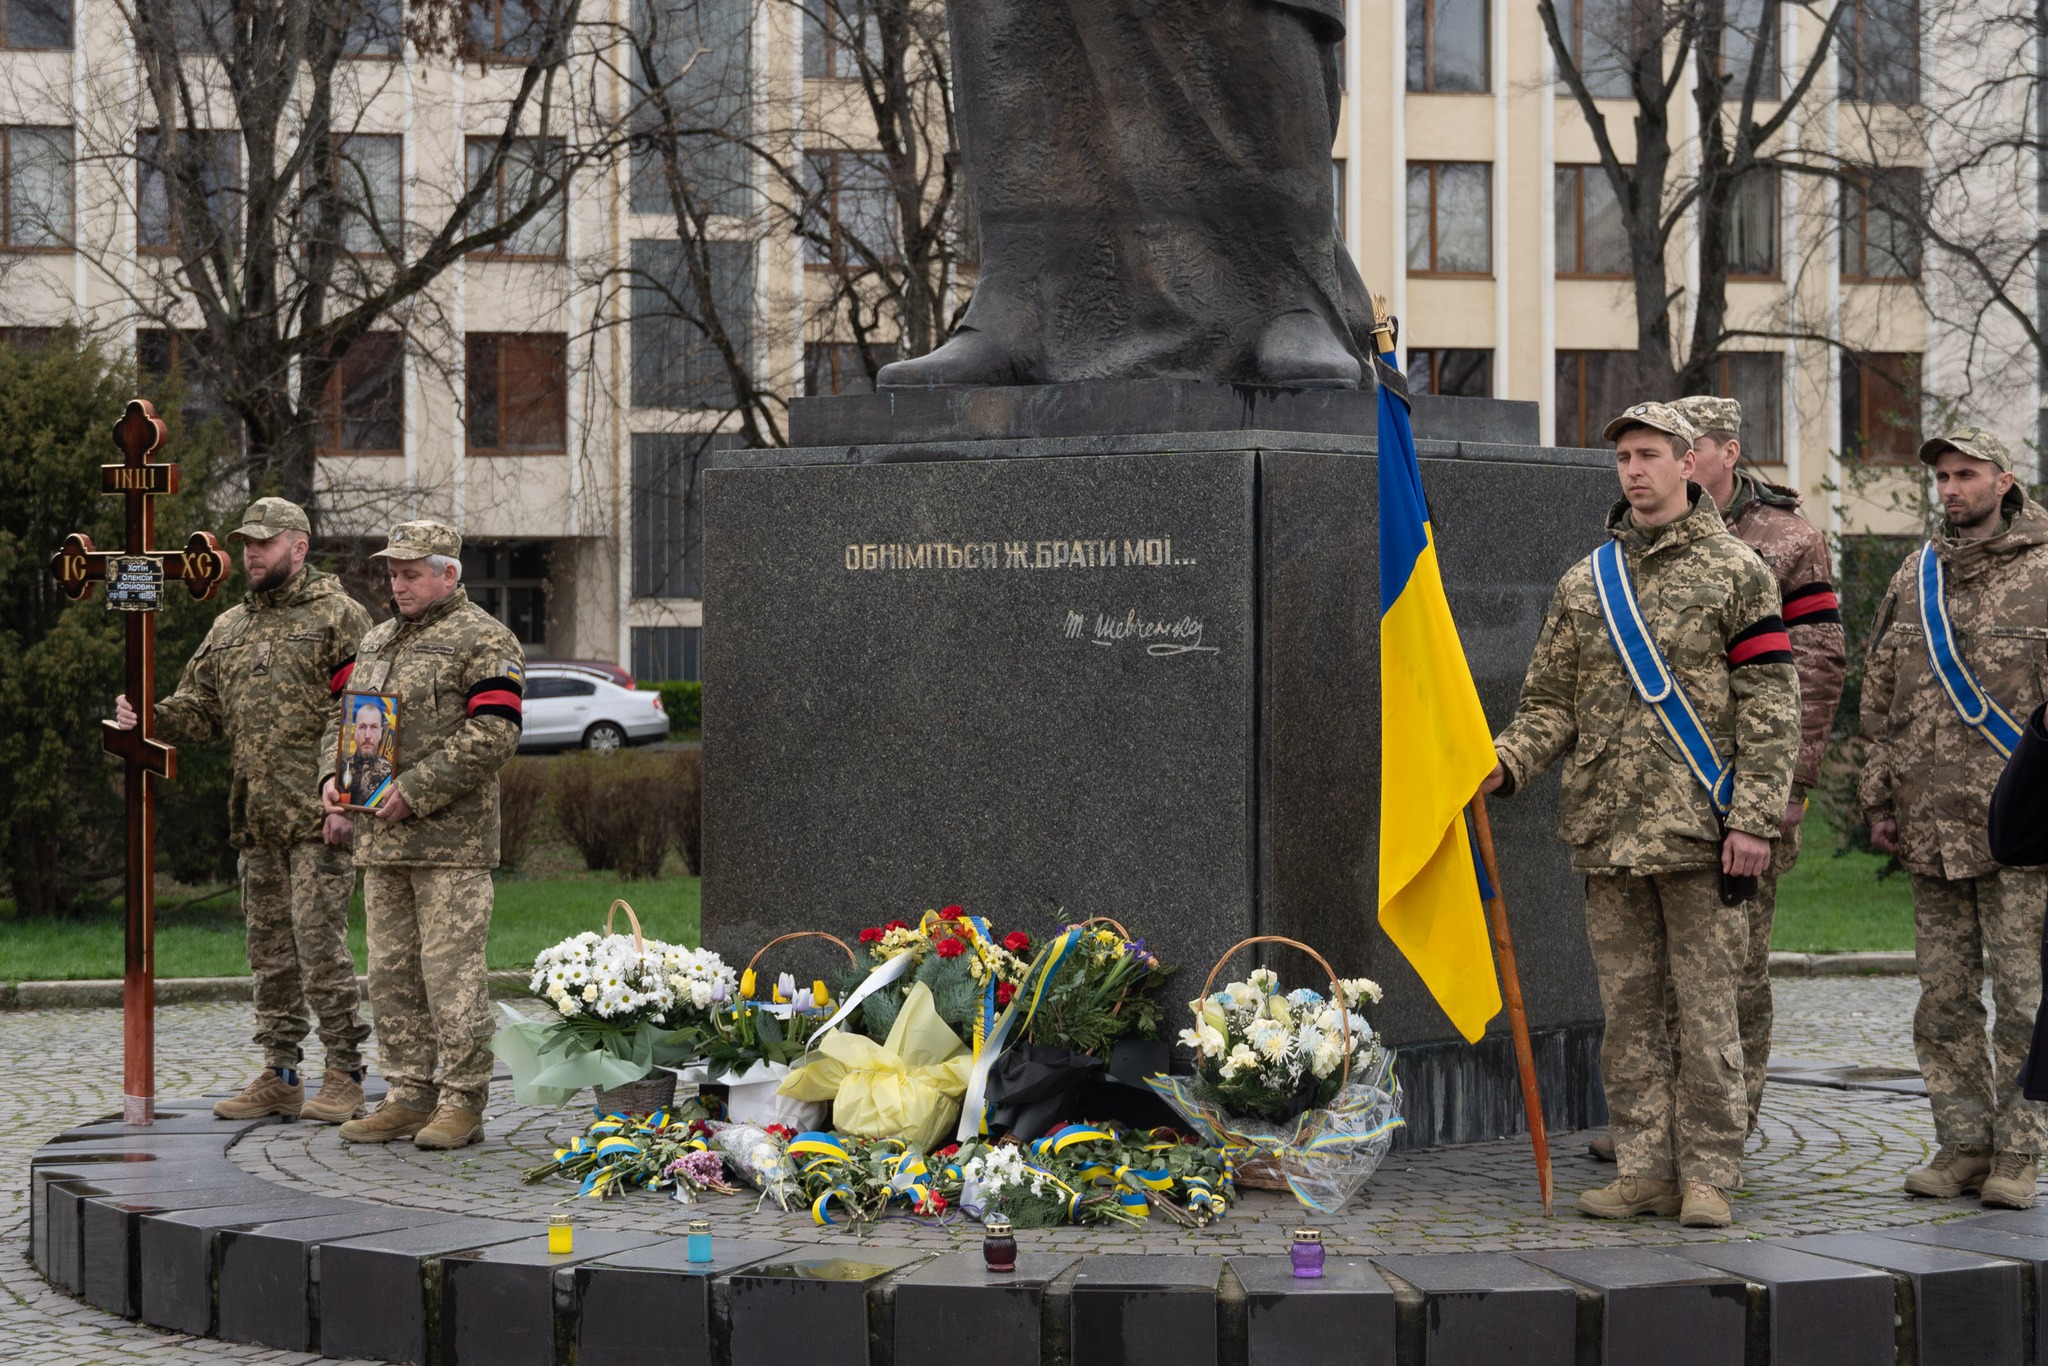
[1663,670]
[428,850]
[266,677]
[1955,664]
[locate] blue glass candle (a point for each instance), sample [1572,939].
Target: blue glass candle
[700,1240]
[1307,1253]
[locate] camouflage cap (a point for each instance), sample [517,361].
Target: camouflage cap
[268,517]
[1661,417]
[417,540]
[1711,413]
[1971,441]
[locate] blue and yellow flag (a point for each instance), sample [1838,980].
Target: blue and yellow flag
[1435,750]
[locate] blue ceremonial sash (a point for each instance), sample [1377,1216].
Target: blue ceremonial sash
[1978,709]
[1653,678]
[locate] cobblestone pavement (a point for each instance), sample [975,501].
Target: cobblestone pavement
[1821,1160]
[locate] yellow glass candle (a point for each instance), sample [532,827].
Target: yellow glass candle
[561,1238]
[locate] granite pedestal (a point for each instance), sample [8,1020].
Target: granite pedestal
[1346,1314]
[1819,1312]
[1952,1306]
[956,1299]
[379,1294]
[264,1274]
[1145,1311]
[651,1306]
[1115,649]
[498,1303]
[822,1310]
[1486,1309]
[176,1252]
[1654,1309]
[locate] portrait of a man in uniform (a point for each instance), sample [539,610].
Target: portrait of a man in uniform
[369,748]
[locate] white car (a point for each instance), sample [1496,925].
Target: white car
[570,707]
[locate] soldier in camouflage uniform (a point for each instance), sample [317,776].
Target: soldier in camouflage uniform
[1642,828]
[1766,519]
[1926,790]
[266,677]
[428,851]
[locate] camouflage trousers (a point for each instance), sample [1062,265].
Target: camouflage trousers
[1961,927]
[295,898]
[1753,1005]
[1664,941]
[427,928]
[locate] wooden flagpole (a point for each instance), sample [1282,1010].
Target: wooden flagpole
[1511,991]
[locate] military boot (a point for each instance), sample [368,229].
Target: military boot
[452,1127]
[1954,1171]
[2011,1183]
[387,1122]
[1705,1207]
[340,1098]
[1629,1196]
[269,1094]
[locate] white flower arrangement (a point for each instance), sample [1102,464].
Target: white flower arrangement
[1273,1055]
[614,980]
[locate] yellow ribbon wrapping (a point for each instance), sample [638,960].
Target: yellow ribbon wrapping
[908,1088]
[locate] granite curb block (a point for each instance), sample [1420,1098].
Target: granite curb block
[165,1227]
[106,991]
[1843,965]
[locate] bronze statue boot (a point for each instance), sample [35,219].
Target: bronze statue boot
[972,357]
[1299,351]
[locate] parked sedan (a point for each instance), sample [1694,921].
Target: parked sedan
[569,707]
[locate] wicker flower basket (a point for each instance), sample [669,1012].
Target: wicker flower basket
[642,1097]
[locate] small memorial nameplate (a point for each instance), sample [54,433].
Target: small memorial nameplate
[135,583]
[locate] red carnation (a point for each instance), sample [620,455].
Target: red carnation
[948,1150]
[1004,991]
[896,925]
[950,913]
[871,935]
[949,947]
[1016,941]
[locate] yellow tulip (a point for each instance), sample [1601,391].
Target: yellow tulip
[821,996]
[747,984]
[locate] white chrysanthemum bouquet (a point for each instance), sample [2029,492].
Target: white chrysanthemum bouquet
[1273,1056]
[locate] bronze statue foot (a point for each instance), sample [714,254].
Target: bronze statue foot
[1299,351]
[970,358]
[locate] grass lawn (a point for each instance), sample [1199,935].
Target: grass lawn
[1833,903]
[206,941]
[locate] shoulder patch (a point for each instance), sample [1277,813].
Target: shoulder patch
[512,669]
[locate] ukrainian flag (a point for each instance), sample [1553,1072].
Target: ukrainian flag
[1435,750]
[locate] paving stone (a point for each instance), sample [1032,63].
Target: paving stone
[1958,1306]
[1655,1309]
[175,1270]
[373,1297]
[1145,1310]
[956,1298]
[1347,1314]
[1821,1312]
[651,1305]
[264,1272]
[1488,1309]
[814,1308]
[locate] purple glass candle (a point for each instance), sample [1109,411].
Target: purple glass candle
[998,1247]
[1307,1253]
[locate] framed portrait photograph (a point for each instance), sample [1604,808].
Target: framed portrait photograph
[368,758]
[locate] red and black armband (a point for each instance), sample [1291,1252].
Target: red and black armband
[1813,605]
[337,682]
[498,696]
[1764,642]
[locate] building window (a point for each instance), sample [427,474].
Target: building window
[27,338]
[35,23]
[167,359]
[531,170]
[213,161]
[1592,387]
[698,55]
[1447,46]
[1880,51]
[677,362]
[363,412]
[838,36]
[838,368]
[1451,371]
[1601,37]
[1879,241]
[1742,47]
[35,188]
[374,30]
[667,497]
[1753,226]
[1756,380]
[1881,408]
[1592,240]
[853,225]
[1450,218]
[508,30]
[510,581]
[516,393]
[368,170]
[665,654]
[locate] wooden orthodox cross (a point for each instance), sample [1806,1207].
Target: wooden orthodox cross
[135,585]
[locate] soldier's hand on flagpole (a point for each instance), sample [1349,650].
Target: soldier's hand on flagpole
[124,715]
[1744,855]
[1884,835]
[337,830]
[1494,779]
[393,808]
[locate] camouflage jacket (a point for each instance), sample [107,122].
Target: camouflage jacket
[1766,518]
[459,675]
[1922,766]
[1629,800]
[265,678]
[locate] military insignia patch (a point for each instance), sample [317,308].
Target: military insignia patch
[512,669]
